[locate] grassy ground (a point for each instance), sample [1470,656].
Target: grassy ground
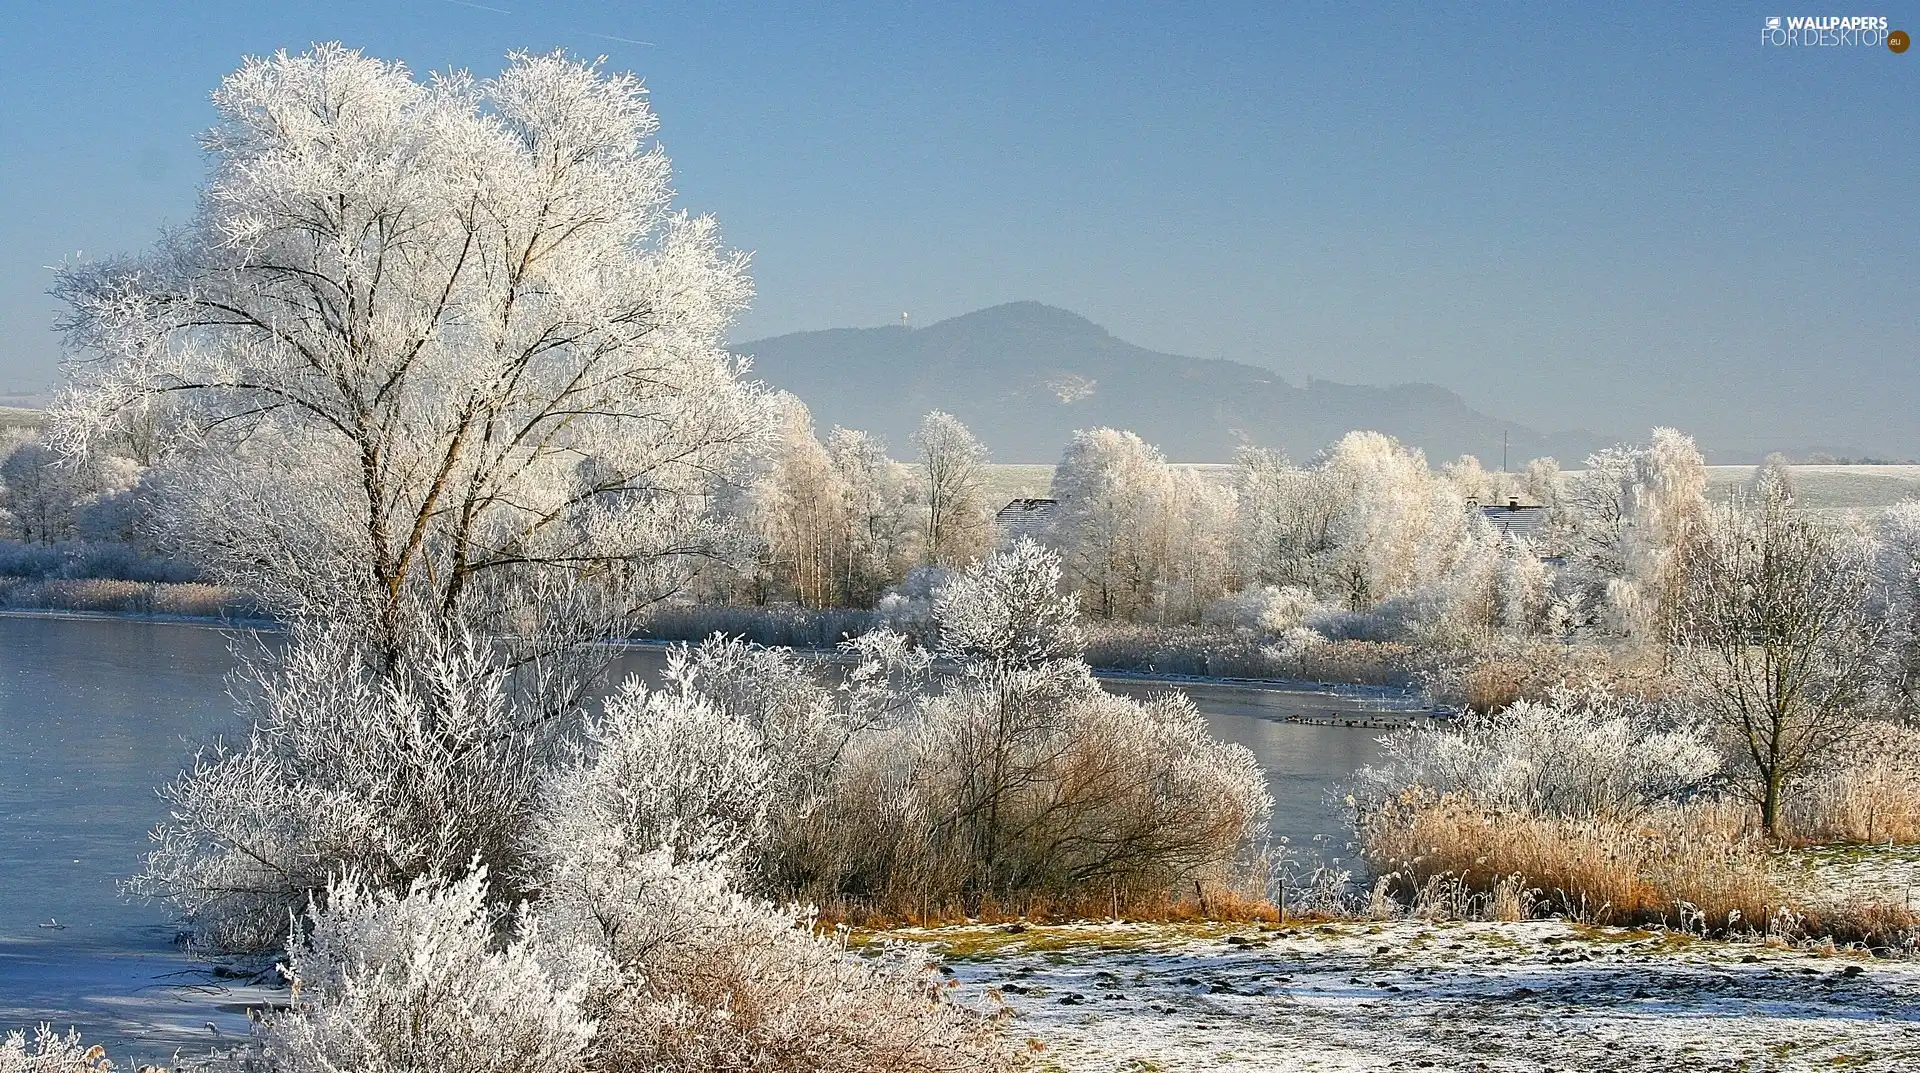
[1410,995]
[1354,995]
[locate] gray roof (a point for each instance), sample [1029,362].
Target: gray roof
[1514,519]
[1026,517]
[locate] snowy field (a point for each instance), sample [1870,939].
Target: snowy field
[1444,996]
[1819,487]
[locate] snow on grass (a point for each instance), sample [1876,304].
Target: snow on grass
[1851,873]
[1421,995]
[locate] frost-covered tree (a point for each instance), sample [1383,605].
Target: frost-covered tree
[1366,521]
[832,525]
[1781,636]
[799,512]
[958,521]
[1138,537]
[45,499]
[424,340]
[1471,480]
[1542,483]
[1285,519]
[879,503]
[1636,511]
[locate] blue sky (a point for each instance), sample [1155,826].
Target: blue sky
[1574,219]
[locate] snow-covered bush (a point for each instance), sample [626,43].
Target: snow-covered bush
[50,1052]
[1008,609]
[658,769]
[1267,608]
[685,971]
[385,768]
[418,981]
[1575,755]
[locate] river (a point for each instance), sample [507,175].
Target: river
[97,713]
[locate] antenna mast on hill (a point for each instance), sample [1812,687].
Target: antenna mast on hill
[906,322]
[1503,450]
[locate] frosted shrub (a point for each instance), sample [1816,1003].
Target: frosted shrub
[388,774]
[1267,608]
[1090,791]
[687,974]
[658,769]
[1575,755]
[1007,609]
[50,1052]
[418,982]
[1021,777]
[683,970]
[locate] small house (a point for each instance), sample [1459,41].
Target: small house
[1026,518]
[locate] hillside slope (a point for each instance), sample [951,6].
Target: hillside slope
[1024,376]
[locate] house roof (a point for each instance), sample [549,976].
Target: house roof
[1026,517]
[1513,518]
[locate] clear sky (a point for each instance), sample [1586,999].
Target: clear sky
[1575,218]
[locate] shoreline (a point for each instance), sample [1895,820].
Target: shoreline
[1343,690]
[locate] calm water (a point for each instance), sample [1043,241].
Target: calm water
[97,713]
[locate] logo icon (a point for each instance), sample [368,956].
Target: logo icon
[1773,22]
[1898,41]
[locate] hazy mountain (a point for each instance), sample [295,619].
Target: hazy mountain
[1024,376]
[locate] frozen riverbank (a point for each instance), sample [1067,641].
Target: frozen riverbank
[1445,996]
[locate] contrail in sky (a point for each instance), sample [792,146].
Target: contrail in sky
[480,7]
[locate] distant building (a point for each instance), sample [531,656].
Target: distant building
[1026,517]
[1513,520]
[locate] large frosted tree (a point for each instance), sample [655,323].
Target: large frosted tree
[427,343]
[1138,537]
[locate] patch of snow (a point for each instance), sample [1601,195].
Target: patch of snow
[1424,995]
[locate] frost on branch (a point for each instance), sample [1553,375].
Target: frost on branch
[1576,755]
[50,1052]
[385,981]
[421,334]
[384,772]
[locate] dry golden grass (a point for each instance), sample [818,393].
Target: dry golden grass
[104,596]
[1163,907]
[1698,868]
[1492,681]
[1870,794]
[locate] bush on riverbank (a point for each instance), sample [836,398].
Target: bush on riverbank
[784,626]
[1609,810]
[50,1052]
[187,600]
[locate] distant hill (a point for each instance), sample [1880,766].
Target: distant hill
[1024,376]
